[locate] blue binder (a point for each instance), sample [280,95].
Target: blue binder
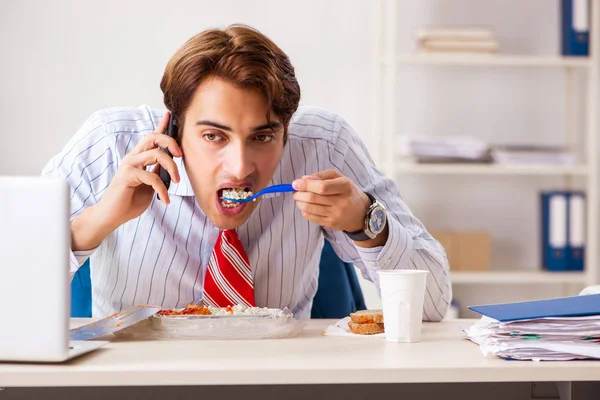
[575,27]
[554,233]
[577,231]
[561,307]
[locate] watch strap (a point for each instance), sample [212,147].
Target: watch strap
[360,235]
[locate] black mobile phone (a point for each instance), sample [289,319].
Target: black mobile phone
[172,132]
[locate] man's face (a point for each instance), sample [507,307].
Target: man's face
[227,143]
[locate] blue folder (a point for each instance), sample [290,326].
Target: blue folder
[575,37]
[575,306]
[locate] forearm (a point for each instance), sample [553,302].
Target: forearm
[89,229]
[406,250]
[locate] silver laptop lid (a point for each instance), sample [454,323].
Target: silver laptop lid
[34,269]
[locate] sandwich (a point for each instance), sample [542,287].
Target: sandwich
[366,322]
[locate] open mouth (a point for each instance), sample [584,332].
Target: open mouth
[233,193]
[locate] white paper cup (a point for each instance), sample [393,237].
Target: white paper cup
[402,295]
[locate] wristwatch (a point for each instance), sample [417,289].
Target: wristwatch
[375,221]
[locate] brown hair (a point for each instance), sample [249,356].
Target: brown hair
[240,55]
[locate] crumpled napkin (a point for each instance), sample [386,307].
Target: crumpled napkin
[340,328]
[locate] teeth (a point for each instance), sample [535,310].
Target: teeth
[234,193]
[229,204]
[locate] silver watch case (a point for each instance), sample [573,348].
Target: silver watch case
[375,220]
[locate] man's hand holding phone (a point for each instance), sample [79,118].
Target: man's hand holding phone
[131,190]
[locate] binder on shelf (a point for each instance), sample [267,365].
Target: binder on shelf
[563,230]
[576,232]
[575,27]
[554,230]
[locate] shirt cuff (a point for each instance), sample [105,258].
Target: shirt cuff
[78,258]
[399,241]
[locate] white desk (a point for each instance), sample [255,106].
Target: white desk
[442,356]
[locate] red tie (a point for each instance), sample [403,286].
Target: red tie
[228,279]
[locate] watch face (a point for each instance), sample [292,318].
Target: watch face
[377,221]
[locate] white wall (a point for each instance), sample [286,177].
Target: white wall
[62,60]
[65,59]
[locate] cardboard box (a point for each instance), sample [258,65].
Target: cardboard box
[449,242]
[466,250]
[474,251]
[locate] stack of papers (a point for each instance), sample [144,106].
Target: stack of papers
[442,149]
[533,155]
[547,330]
[543,339]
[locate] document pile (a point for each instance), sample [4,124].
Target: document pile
[533,155]
[438,149]
[547,330]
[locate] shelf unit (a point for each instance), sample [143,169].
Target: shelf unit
[489,169]
[389,61]
[490,60]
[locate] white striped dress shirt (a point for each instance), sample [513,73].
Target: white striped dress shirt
[160,258]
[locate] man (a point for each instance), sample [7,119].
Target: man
[234,96]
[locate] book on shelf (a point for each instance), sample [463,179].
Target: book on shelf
[466,33]
[457,46]
[456,39]
[563,230]
[575,27]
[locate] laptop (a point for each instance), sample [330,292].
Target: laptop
[35,298]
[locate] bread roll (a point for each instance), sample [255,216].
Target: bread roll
[365,329]
[367,317]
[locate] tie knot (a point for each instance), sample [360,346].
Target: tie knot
[230,235]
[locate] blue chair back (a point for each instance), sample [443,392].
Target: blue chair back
[81,292]
[338,293]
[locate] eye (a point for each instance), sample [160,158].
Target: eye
[264,138]
[213,137]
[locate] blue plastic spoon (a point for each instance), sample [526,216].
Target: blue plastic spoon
[286,187]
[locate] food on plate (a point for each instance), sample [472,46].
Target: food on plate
[367,317]
[365,329]
[207,322]
[237,310]
[189,310]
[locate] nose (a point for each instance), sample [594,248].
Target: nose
[238,161]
